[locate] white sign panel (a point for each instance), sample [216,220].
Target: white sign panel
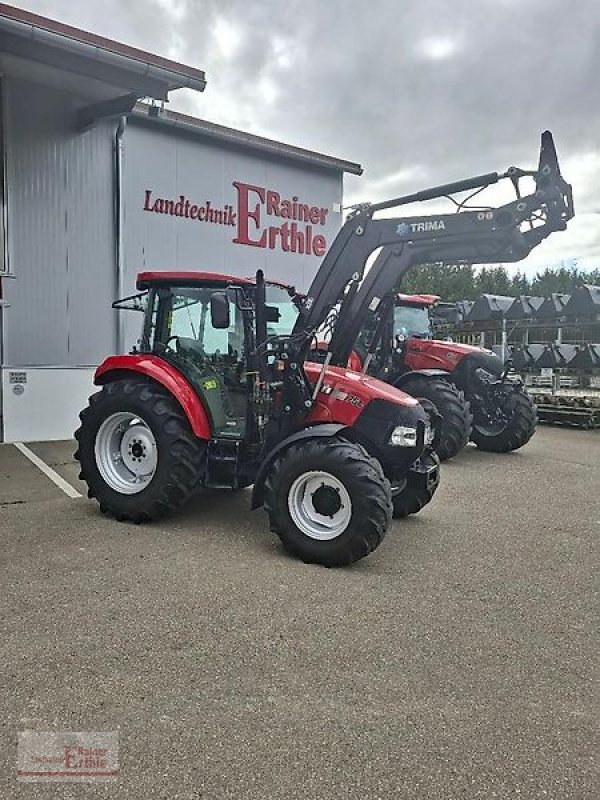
[199,204]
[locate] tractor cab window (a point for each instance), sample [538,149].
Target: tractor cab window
[412,321]
[277,297]
[211,358]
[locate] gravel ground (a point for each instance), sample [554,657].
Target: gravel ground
[460,660]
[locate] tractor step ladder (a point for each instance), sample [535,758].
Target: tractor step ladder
[222,464]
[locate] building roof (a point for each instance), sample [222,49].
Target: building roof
[200,127]
[48,42]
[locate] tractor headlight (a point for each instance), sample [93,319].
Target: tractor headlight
[403,436]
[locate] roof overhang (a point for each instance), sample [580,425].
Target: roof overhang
[192,126]
[103,69]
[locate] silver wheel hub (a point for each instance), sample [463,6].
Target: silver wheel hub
[319,505]
[126,453]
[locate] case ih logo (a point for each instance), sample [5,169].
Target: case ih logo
[261,218]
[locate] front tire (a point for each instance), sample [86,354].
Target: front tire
[138,454]
[454,409]
[328,501]
[518,430]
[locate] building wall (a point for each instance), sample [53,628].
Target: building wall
[61,252]
[60,232]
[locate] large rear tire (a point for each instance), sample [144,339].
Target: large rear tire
[518,430]
[328,501]
[454,409]
[138,454]
[413,498]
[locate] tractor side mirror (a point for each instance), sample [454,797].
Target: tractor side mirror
[219,311]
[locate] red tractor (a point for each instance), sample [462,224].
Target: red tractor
[216,396]
[221,392]
[469,386]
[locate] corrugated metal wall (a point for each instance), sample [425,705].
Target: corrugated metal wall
[60,232]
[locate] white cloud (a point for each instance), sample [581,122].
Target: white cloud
[437,48]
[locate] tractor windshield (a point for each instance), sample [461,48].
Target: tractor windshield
[279,298]
[412,321]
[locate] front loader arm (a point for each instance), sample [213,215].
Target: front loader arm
[504,234]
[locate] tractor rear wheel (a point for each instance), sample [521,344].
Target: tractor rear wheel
[513,427]
[138,454]
[328,501]
[412,499]
[454,409]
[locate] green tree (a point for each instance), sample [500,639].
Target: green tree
[493,280]
[450,281]
[465,282]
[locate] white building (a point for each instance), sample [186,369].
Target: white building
[97,186]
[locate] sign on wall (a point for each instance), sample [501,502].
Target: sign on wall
[261,217]
[198,204]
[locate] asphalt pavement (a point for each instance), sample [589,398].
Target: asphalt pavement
[460,660]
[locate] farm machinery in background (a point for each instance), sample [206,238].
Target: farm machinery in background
[221,391]
[564,380]
[469,386]
[552,343]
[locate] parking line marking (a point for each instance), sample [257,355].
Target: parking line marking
[48,471]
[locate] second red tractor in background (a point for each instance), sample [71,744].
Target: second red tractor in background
[469,386]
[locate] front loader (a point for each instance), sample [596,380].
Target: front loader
[468,386]
[221,393]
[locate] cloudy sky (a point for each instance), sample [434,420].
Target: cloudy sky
[417,91]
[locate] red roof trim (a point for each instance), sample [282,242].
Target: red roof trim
[145,278]
[418,299]
[189,277]
[79,35]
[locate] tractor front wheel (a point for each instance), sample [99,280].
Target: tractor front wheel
[454,409]
[328,501]
[509,422]
[137,452]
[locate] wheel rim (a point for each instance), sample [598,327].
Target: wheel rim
[126,453]
[319,505]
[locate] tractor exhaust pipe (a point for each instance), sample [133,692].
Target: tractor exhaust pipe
[261,326]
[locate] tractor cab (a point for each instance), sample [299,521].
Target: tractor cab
[411,316]
[202,324]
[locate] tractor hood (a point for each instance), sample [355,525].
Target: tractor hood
[345,394]
[437,354]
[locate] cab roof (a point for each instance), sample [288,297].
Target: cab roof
[418,299]
[147,279]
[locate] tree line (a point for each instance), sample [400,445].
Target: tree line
[466,282]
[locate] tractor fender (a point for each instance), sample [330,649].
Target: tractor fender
[403,379]
[328,429]
[116,368]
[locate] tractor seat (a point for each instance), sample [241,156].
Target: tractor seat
[192,346]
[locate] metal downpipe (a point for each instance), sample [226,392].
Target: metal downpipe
[119,225]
